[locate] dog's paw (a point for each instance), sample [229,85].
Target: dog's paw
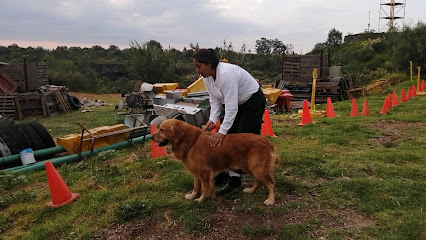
[268,202]
[248,190]
[200,199]
[190,196]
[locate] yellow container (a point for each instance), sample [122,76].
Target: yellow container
[271,94]
[162,87]
[71,142]
[197,86]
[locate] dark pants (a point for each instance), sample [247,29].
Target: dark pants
[249,115]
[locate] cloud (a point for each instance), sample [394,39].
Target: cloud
[177,23]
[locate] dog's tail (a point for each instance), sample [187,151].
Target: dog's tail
[274,160]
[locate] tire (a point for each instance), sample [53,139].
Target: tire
[12,136]
[43,133]
[4,149]
[36,141]
[132,100]
[74,102]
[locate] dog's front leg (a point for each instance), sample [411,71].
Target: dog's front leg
[207,189]
[196,190]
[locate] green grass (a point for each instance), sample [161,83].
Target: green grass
[341,178]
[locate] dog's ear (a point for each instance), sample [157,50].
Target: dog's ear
[177,131]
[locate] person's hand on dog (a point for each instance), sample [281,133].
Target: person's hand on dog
[209,126]
[216,139]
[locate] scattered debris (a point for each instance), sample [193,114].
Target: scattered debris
[88,103]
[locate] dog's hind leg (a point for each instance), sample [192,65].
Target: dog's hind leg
[196,190]
[252,189]
[265,177]
[269,181]
[256,172]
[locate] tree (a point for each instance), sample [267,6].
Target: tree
[277,46]
[149,63]
[194,47]
[408,45]
[268,46]
[228,47]
[334,37]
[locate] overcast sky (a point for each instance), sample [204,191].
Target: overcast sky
[85,23]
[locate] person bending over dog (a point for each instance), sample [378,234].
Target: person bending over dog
[243,99]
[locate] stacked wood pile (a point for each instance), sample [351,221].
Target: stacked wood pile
[28,76]
[25,93]
[297,77]
[21,106]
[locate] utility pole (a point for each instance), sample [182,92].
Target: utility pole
[369,21]
[391,11]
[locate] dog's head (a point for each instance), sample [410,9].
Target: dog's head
[169,131]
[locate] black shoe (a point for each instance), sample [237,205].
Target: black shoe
[221,179]
[234,182]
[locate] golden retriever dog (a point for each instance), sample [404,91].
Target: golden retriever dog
[251,153]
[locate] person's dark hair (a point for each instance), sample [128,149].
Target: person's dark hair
[206,56]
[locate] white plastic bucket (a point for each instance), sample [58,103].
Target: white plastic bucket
[27,156]
[133,120]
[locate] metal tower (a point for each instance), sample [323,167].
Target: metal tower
[391,11]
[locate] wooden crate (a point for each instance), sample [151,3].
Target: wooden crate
[36,75]
[356,93]
[30,105]
[52,104]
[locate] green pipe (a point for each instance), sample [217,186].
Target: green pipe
[37,154]
[75,157]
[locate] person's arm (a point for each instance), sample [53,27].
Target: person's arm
[215,107]
[229,89]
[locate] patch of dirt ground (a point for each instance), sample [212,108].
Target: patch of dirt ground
[226,223]
[393,131]
[92,96]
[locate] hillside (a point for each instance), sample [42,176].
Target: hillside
[341,178]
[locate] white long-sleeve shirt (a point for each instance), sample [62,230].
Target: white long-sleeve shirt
[233,86]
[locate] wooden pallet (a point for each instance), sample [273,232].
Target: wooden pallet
[62,99]
[7,84]
[7,106]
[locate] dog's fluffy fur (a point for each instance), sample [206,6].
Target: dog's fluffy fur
[252,153]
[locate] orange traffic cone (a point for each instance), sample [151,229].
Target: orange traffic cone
[394,99]
[365,110]
[156,151]
[413,91]
[330,109]
[403,97]
[266,125]
[59,191]
[385,107]
[409,93]
[354,108]
[389,101]
[423,85]
[214,130]
[306,115]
